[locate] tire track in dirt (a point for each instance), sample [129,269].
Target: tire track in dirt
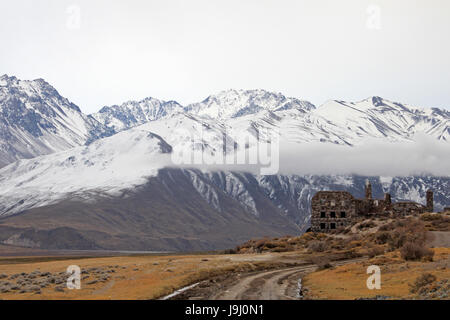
[267,285]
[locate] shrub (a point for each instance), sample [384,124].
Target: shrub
[346,230]
[231,251]
[397,239]
[283,249]
[271,245]
[317,246]
[322,263]
[350,254]
[414,251]
[386,227]
[260,243]
[366,225]
[376,251]
[422,281]
[355,244]
[429,217]
[354,237]
[407,231]
[381,237]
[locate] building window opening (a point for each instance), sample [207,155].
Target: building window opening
[322,214]
[333,214]
[342,214]
[332,225]
[322,226]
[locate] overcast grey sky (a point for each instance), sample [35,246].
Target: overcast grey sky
[185,50]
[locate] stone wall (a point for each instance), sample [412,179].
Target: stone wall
[430,202]
[338,209]
[408,208]
[367,207]
[331,210]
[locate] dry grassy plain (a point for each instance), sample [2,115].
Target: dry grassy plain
[128,277]
[39,276]
[150,277]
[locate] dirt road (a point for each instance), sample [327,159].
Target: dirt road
[267,285]
[270,285]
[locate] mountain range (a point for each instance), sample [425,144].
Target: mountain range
[102,181]
[36,120]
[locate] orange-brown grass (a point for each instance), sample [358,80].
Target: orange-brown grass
[141,277]
[348,282]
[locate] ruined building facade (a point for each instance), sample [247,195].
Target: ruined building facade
[336,209]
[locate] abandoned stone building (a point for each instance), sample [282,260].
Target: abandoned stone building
[335,209]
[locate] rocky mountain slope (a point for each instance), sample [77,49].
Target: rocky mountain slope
[133,113]
[36,120]
[339,122]
[127,159]
[166,213]
[125,191]
[186,209]
[223,106]
[108,165]
[380,118]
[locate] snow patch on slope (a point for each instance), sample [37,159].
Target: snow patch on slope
[107,166]
[36,120]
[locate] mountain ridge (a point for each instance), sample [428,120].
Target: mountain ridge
[94,163]
[185,209]
[36,120]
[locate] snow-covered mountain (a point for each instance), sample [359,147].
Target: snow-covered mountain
[184,209]
[108,166]
[79,171]
[237,103]
[166,213]
[256,111]
[133,113]
[348,122]
[36,120]
[223,106]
